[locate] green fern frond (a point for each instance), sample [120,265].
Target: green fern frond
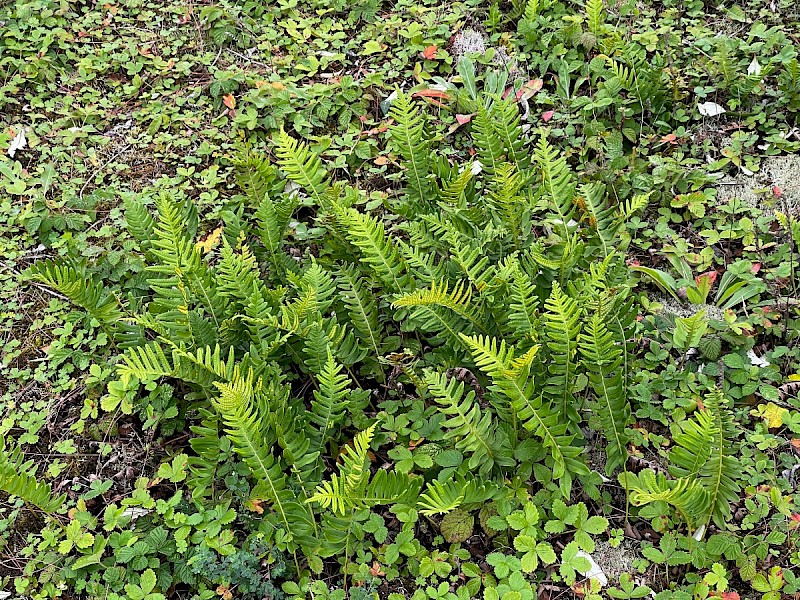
[688,496]
[72,281]
[557,184]
[378,251]
[15,480]
[442,497]
[362,309]
[488,144]
[473,429]
[603,361]
[302,166]
[459,315]
[561,328]
[410,140]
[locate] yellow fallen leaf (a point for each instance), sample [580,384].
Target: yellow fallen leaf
[771,413]
[211,241]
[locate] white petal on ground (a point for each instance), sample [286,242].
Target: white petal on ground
[18,143]
[594,572]
[754,68]
[711,109]
[757,361]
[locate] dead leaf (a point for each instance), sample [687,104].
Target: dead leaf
[376,570]
[529,89]
[547,115]
[430,93]
[381,160]
[771,413]
[254,505]
[430,52]
[463,119]
[224,592]
[229,101]
[211,241]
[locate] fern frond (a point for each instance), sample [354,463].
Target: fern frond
[362,309]
[473,430]
[558,185]
[488,144]
[72,281]
[330,401]
[688,496]
[302,166]
[602,359]
[378,251]
[243,419]
[442,497]
[408,136]
[561,328]
[15,480]
[513,379]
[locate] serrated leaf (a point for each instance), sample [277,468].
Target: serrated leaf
[457,525]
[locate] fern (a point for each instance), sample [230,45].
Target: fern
[369,236]
[603,361]
[408,135]
[447,313]
[473,429]
[15,480]
[557,186]
[72,281]
[562,326]
[512,377]
[302,166]
[705,463]
[442,497]
[353,487]
[243,414]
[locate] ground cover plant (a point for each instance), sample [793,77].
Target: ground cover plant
[399,300]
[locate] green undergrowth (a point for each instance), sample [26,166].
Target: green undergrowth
[411,300]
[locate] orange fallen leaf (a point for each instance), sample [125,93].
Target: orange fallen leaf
[376,570]
[430,52]
[254,505]
[229,101]
[381,160]
[429,93]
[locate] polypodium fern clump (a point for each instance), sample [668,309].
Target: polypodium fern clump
[503,268]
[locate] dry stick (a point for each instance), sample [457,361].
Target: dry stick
[101,169]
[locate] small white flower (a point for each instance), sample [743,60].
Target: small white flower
[477,167]
[754,68]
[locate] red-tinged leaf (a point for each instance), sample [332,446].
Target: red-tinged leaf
[670,138]
[730,596]
[777,192]
[795,517]
[229,101]
[529,89]
[429,93]
[710,275]
[547,115]
[430,52]
[507,93]
[755,268]
[464,119]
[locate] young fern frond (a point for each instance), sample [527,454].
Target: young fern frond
[595,17]
[442,497]
[602,359]
[523,305]
[273,219]
[408,135]
[473,429]
[302,166]
[505,201]
[443,312]
[15,480]
[688,496]
[138,220]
